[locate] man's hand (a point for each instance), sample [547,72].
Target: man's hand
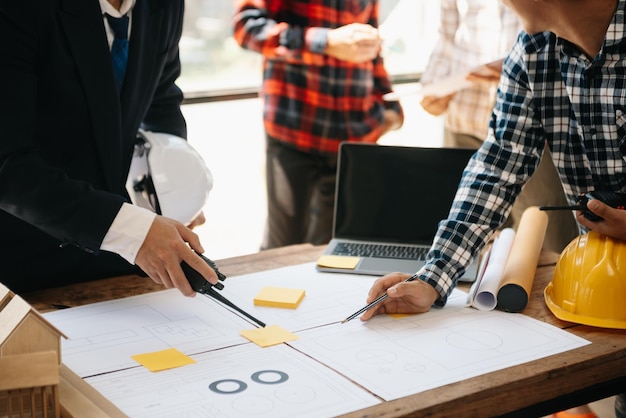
[402,297]
[392,120]
[356,42]
[435,105]
[613,223]
[487,73]
[167,244]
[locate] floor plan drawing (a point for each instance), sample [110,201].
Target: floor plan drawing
[103,336]
[331,368]
[398,357]
[241,382]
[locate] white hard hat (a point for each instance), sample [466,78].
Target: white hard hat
[168,176]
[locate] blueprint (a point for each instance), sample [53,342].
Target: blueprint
[332,368]
[394,358]
[244,381]
[329,298]
[103,336]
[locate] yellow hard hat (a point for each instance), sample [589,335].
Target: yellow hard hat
[589,282]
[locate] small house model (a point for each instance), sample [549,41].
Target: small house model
[30,356]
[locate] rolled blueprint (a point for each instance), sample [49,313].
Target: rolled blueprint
[483,294]
[521,266]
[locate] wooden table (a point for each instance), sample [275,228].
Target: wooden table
[533,389]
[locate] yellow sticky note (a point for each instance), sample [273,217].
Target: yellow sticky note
[163,360]
[338,262]
[270,335]
[279,297]
[399,315]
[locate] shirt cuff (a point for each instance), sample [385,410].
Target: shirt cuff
[128,231]
[316,39]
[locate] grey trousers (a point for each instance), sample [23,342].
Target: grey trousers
[300,196]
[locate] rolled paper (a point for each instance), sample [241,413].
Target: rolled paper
[521,266]
[484,291]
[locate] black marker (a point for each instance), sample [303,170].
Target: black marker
[374,302]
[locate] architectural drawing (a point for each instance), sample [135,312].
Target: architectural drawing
[389,356]
[243,381]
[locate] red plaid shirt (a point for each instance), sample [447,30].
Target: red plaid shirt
[311,100]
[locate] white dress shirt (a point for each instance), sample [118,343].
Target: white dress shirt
[132,223]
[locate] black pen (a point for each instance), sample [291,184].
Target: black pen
[211,292]
[374,302]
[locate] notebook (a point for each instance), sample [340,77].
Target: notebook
[388,204]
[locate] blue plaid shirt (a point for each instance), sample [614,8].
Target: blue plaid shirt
[549,92]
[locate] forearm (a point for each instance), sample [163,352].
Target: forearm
[256,29]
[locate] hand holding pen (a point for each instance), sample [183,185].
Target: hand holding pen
[399,295]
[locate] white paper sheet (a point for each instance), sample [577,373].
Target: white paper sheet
[446,86]
[103,336]
[244,381]
[484,292]
[399,357]
[329,298]
[390,357]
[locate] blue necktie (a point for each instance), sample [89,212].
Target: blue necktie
[119,49]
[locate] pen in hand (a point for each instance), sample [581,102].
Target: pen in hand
[374,302]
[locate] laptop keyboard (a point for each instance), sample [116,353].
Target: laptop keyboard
[380,250]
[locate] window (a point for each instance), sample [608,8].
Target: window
[215,69]
[213,63]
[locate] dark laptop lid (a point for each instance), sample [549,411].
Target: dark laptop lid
[395,194]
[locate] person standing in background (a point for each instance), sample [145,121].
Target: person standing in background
[323,82]
[474,36]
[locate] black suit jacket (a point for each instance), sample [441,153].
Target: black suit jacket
[66,137]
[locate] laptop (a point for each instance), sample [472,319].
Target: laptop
[389,201]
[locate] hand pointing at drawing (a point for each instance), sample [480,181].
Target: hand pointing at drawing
[403,297]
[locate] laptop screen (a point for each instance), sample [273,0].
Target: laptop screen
[395,194]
